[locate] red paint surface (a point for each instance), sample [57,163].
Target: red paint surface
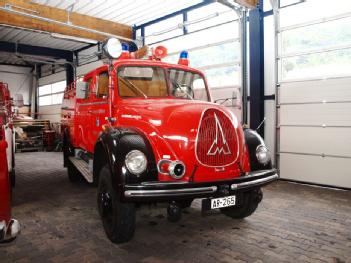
[5,192]
[170,124]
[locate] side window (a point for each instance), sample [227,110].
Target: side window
[102,87]
[87,91]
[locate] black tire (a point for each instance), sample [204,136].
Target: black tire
[248,206]
[13,178]
[118,217]
[73,173]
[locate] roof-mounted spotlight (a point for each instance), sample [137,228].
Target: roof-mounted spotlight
[112,47]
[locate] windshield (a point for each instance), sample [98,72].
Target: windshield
[147,82]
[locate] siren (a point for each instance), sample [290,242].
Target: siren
[184,58]
[159,52]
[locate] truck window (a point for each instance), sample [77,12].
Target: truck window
[187,85]
[102,90]
[142,82]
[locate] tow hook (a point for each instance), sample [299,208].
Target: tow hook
[174,212]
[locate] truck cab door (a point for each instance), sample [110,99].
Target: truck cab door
[83,108]
[99,108]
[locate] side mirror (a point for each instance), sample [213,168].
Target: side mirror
[18,100]
[81,90]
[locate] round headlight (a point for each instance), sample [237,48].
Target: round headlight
[136,162]
[262,154]
[113,48]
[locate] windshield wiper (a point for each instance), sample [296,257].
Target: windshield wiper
[131,85]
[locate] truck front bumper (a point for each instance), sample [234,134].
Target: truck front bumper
[9,231]
[163,191]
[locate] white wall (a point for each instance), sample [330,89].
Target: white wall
[53,112]
[19,80]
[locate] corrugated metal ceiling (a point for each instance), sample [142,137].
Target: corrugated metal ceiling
[130,12]
[37,38]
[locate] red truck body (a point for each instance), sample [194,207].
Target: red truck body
[8,227]
[147,131]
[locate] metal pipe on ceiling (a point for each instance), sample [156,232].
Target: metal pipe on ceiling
[8,8]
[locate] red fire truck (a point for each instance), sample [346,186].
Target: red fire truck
[9,228]
[146,131]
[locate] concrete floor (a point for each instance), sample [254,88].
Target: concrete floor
[60,223]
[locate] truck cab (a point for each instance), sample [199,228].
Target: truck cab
[145,131]
[9,228]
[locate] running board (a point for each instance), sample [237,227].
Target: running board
[83,168]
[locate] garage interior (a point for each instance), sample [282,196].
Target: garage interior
[282,66]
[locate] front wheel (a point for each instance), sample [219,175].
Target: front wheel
[118,218]
[247,207]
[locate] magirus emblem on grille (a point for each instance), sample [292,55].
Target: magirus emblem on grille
[219,144]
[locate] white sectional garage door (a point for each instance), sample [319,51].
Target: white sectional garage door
[315,131]
[314,93]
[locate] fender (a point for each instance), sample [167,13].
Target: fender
[253,140]
[112,147]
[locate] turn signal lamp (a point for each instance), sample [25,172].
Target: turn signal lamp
[160,52]
[184,58]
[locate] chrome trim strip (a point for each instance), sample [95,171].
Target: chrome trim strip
[170,192]
[163,183]
[255,182]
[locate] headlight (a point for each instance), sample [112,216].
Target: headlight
[136,162]
[262,154]
[112,48]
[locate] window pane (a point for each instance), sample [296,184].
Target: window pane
[43,90]
[205,37]
[228,52]
[267,5]
[58,86]
[45,100]
[57,98]
[219,77]
[163,26]
[142,82]
[324,35]
[211,15]
[312,10]
[333,63]
[102,85]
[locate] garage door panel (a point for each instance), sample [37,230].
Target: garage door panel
[316,140]
[337,89]
[330,114]
[315,169]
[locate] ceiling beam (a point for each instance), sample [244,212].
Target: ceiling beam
[248,3]
[34,50]
[25,14]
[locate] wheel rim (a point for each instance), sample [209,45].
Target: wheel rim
[106,208]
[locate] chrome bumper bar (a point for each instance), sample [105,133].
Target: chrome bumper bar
[255,182]
[197,191]
[10,231]
[170,192]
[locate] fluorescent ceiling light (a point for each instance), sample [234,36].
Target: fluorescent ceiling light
[77,39]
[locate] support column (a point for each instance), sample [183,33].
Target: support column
[34,109]
[70,69]
[256,69]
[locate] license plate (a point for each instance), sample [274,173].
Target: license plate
[223,202]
